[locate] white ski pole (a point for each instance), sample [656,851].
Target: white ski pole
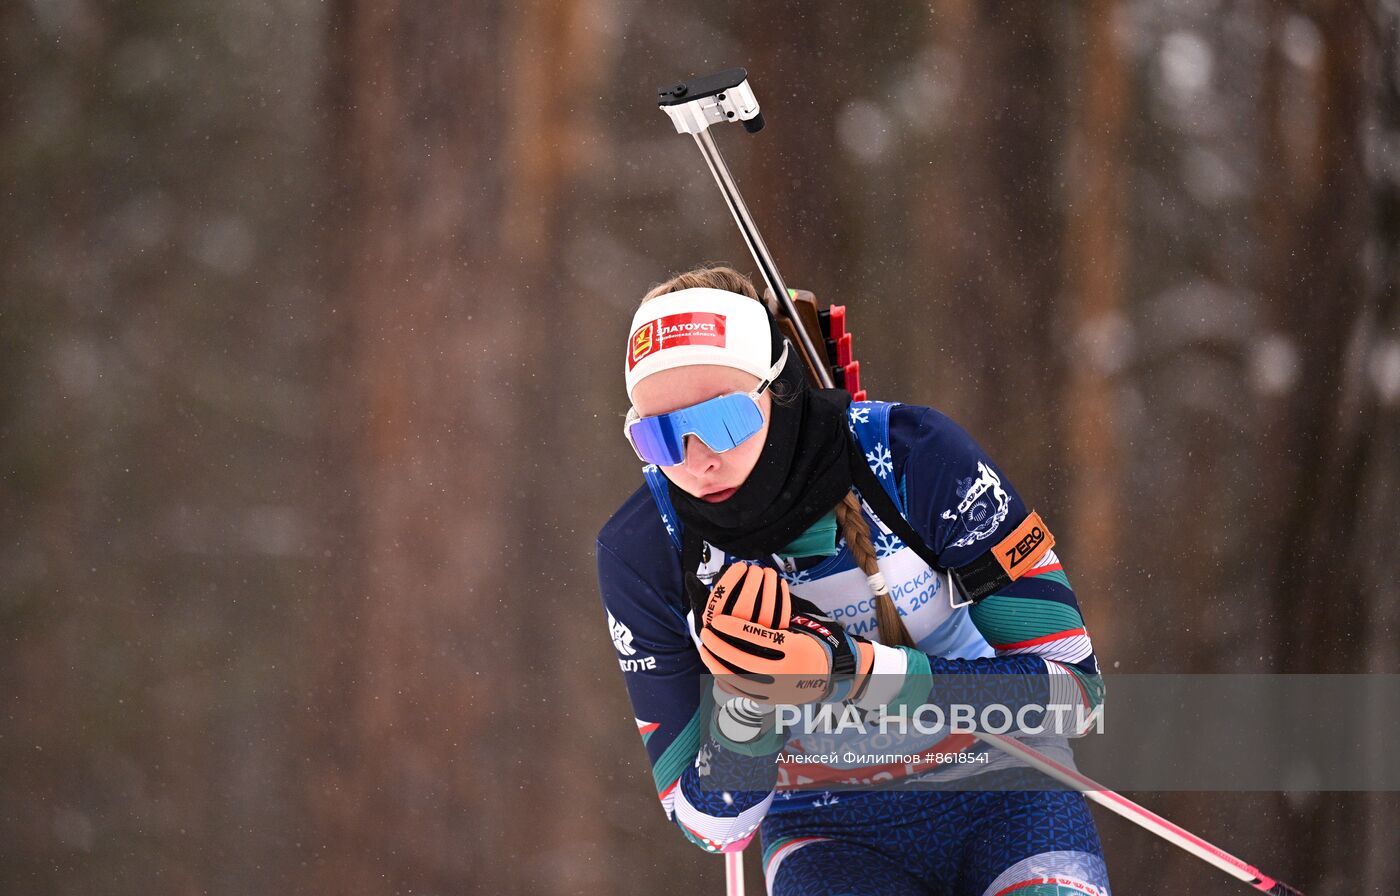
[734,873]
[742,720]
[1141,816]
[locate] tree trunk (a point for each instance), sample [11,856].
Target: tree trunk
[991,233]
[1328,587]
[413,769]
[1095,250]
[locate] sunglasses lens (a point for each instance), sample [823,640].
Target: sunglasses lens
[721,423]
[729,421]
[657,441]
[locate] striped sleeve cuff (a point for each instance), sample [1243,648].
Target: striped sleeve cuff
[719,834]
[1069,687]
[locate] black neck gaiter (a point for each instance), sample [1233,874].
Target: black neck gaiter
[801,475]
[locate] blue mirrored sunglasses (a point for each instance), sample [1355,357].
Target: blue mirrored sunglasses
[721,423]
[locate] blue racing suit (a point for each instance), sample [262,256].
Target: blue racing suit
[977,841]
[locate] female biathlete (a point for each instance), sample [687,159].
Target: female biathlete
[785,532]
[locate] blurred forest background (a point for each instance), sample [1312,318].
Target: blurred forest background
[311,344]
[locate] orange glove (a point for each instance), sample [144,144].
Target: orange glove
[757,647]
[751,593]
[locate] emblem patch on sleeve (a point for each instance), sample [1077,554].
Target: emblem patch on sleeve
[982,507]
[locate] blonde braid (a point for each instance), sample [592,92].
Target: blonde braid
[857,534]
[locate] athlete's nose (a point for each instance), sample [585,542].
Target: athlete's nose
[699,459]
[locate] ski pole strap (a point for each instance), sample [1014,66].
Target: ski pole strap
[841,650]
[1011,558]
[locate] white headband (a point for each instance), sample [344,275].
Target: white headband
[698,326]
